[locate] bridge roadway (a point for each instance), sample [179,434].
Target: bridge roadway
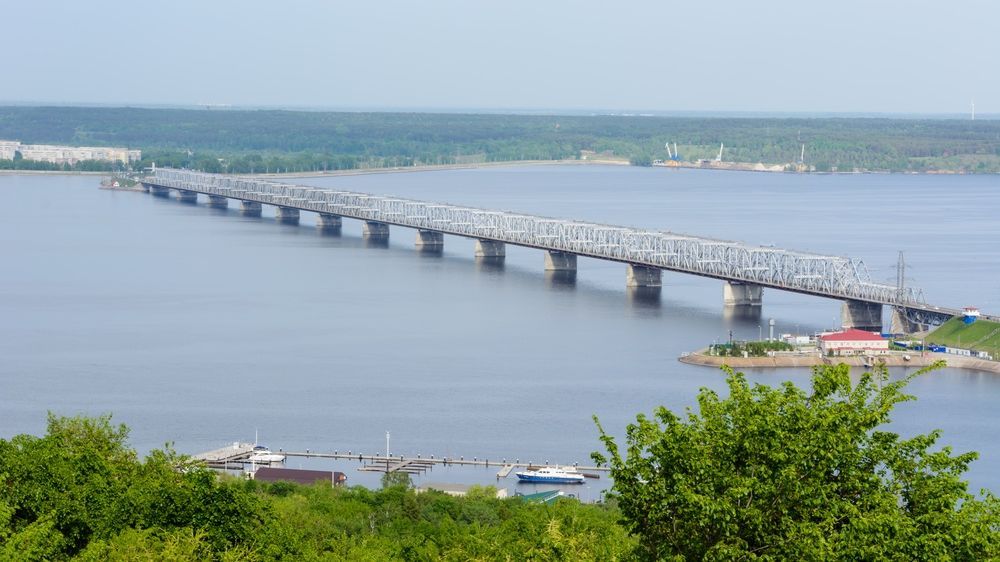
[745,269]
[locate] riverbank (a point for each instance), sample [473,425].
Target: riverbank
[812,359]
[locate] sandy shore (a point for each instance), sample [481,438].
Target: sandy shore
[813,359]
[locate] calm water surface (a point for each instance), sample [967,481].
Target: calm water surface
[197,326]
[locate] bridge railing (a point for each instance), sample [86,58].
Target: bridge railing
[833,276]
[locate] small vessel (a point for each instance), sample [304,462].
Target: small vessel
[551,475]
[263,455]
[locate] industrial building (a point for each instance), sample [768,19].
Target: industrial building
[853,342]
[298,476]
[58,154]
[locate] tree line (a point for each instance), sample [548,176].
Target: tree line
[267,140]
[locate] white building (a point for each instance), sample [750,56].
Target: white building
[8,148]
[59,154]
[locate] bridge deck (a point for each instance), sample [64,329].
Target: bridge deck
[822,275]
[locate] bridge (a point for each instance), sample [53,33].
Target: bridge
[745,269]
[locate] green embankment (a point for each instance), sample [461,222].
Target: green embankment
[981,335]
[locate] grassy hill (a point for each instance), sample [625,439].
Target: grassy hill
[982,335]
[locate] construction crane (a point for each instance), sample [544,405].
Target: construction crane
[672,155]
[719,157]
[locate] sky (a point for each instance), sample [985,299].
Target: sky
[886,56]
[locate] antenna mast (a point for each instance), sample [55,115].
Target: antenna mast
[900,276]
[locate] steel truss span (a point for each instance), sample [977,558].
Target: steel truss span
[828,276]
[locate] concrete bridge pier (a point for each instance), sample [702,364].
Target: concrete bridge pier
[861,315]
[375,229]
[735,293]
[642,276]
[490,249]
[328,222]
[159,191]
[185,196]
[560,261]
[902,323]
[218,202]
[430,240]
[250,208]
[286,215]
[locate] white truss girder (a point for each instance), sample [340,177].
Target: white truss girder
[829,276]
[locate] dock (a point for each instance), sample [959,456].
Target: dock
[238,454]
[235,454]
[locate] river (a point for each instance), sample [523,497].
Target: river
[197,326]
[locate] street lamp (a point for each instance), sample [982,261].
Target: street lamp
[760,333]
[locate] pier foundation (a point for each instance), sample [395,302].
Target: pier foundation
[429,240]
[742,294]
[286,215]
[186,196]
[490,249]
[642,276]
[560,261]
[326,221]
[218,201]
[374,229]
[250,208]
[861,315]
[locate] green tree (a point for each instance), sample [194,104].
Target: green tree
[781,473]
[396,479]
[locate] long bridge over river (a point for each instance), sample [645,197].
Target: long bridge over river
[745,269]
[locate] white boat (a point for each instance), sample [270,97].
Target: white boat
[263,455]
[551,475]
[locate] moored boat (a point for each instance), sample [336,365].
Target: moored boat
[551,475]
[263,455]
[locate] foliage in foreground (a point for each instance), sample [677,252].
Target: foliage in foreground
[785,474]
[80,493]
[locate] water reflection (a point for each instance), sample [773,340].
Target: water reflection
[644,297]
[741,314]
[561,279]
[430,251]
[380,242]
[490,264]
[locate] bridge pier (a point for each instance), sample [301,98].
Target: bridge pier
[901,323]
[862,315]
[250,208]
[326,221]
[490,249]
[374,229]
[560,261]
[429,240]
[735,293]
[218,201]
[642,276]
[185,196]
[286,215]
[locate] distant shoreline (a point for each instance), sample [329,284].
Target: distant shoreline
[738,167]
[812,359]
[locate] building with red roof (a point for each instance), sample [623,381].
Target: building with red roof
[853,342]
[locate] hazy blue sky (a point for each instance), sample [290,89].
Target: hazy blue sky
[782,55]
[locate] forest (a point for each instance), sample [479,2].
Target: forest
[254,141]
